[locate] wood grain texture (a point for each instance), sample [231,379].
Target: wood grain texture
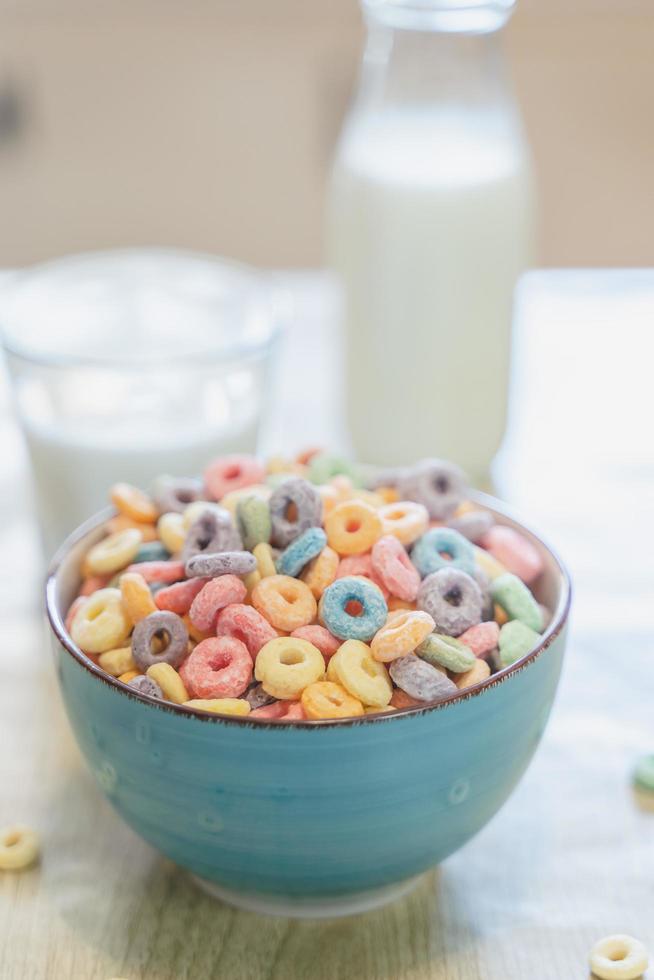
[568,860]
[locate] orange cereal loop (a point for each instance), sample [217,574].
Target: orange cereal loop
[464,508]
[394,604]
[129,675]
[388,494]
[305,455]
[352,527]
[328,496]
[321,571]
[120,522]
[401,700]
[325,699]
[136,596]
[134,503]
[499,615]
[287,603]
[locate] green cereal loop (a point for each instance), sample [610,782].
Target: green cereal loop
[323,466]
[440,650]
[253,521]
[516,640]
[516,600]
[644,773]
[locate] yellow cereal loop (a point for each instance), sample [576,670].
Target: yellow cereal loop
[475,675]
[114,552]
[251,579]
[287,665]
[329,497]
[120,522]
[101,623]
[352,527]
[117,662]
[373,710]
[134,503]
[287,603]
[403,632]
[405,520]
[171,684]
[360,674]
[331,674]
[172,534]
[221,706]
[137,598]
[265,561]
[19,848]
[369,497]
[327,700]
[321,571]
[129,675]
[488,564]
[194,633]
[499,615]
[231,499]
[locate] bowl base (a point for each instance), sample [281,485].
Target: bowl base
[297,907]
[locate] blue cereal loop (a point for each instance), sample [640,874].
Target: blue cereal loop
[427,553]
[300,552]
[338,621]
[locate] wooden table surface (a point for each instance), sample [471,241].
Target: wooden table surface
[569,859]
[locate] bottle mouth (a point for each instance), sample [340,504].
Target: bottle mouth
[453,16]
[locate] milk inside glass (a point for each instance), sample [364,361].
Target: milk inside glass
[129,365]
[430,224]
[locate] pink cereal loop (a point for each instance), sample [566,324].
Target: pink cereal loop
[320,637]
[514,551]
[361,565]
[177,598]
[159,571]
[214,596]
[481,639]
[280,711]
[394,569]
[75,607]
[231,473]
[93,583]
[219,667]
[247,625]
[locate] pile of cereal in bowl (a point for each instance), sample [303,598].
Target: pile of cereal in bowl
[298,591]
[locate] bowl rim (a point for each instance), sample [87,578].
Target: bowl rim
[486,501]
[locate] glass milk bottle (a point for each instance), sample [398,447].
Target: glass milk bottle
[429,227]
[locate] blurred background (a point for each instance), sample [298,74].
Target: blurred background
[210,124]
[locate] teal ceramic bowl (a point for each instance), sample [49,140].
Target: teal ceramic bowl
[320,818]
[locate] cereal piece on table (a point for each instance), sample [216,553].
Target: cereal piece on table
[353,609]
[355,668]
[439,485]
[481,639]
[301,551]
[352,527]
[247,625]
[214,596]
[137,598]
[179,597]
[169,681]
[444,651]
[170,528]
[515,641]
[427,553]
[164,626]
[220,667]
[101,624]
[134,503]
[174,494]
[517,601]
[321,571]
[515,551]
[324,699]
[473,524]
[477,673]
[320,637]
[117,662]
[420,680]
[221,563]
[287,665]
[220,706]
[401,634]
[253,521]
[618,957]
[114,552]
[295,506]
[146,685]
[453,600]
[394,569]
[287,603]
[232,473]
[19,848]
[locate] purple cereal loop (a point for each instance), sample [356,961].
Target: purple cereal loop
[221,563]
[176,493]
[453,600]
[308,504]
[145,685]
[473,525]
[420,680]
[174,630]
[437,484]
[211,532]
[484,583]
